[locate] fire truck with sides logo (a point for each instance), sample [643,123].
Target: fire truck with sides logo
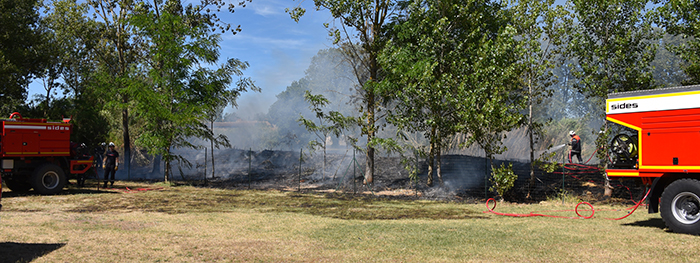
[36,153]
[658,141]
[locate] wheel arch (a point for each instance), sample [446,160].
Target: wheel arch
[660,183]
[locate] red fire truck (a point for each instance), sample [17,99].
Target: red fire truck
[35,153]
[658,141]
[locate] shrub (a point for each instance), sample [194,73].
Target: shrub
[502,179]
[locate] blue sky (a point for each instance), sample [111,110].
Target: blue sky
[277,48]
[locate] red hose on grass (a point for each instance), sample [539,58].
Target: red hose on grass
[576,210]
[534,214]
[634,208]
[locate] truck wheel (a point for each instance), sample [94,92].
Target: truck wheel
[18,186]
[48,179]
[680,206]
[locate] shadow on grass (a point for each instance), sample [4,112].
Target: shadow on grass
[92,186]
[652,222]
[369,207]
[25,252]
[70,191]
[178,200]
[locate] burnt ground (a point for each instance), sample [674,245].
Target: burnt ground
[463,177]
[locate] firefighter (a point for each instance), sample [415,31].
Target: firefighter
[110,164]
[575,147]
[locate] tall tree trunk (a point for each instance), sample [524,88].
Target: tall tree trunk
[431,157]
[608,187]
[48,99]
[532,140]
[431,163]
[369,173]
[127,142]
[166,169]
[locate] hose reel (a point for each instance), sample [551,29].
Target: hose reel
[624,151]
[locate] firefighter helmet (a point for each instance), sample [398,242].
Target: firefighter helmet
[111,144]
[572,133]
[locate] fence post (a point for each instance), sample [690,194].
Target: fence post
[486,175]
[354,177]
[300,158]
[563,174]
[250,164]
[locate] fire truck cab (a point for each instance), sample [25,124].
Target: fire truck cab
[36,153]
[660,144]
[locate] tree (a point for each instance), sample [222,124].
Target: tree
[494,79]
[178,93]
[613,45]
[451,67]
[502,179]
[70,42]
[117,52]
[681,18]
[20,60]
[329,124]
[363,25]
[540,31]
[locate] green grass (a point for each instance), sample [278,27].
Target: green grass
[189,224]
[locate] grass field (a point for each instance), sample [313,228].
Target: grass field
[189,224]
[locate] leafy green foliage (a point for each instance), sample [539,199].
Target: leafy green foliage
[451,67]
[548,162]
[364,25]
[73,42]
[177,93]
[540,30]
[502,179]
[20,57]
[681,18]
[613,43]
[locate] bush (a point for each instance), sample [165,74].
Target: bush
[502,179]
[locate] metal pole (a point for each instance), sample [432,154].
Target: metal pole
[415,183]
[563,171]
[354,177]
[486,176]
[250,164]
[300,156]
[205,163]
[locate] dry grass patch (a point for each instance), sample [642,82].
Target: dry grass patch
[188,224]
[187,199]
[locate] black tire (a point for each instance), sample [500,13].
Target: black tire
[48,179]
[680,206]
[18,186]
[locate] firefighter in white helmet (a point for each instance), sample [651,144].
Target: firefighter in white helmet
[575,147]
[110,164]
